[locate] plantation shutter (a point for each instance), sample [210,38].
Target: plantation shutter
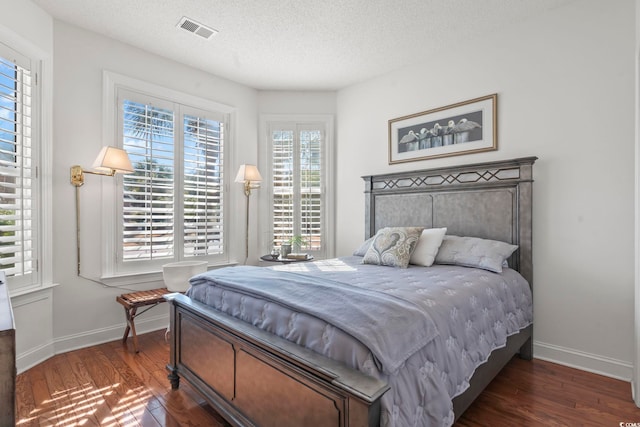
[17,169]
[173,202]
[203,186]
[283,184]
[297,153]
[148,195]
[311,187]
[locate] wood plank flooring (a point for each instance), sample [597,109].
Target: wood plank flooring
[109,385]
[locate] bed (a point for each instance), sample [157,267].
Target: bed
[300,369]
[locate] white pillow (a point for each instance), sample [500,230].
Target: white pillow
[427,247]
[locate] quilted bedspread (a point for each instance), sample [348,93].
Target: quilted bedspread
[474,312]
[392,328]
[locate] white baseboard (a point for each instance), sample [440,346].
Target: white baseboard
[589,362]
[32,357]
[112,333]
[553,353]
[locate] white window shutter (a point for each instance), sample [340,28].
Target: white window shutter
[173,203]
[297,171]
[148,196]
[203,186]
[17,170]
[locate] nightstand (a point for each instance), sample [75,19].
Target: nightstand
[269,258]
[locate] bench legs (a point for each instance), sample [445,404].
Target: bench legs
[131,302]
[130,313]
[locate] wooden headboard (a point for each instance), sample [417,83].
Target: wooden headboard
[490,200]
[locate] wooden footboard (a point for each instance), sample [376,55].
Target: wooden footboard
[252,377]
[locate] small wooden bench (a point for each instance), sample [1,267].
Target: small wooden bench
[132,301]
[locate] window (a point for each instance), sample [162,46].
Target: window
[18,170]
[173,205]
[298,153]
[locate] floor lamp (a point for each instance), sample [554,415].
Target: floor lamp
[250,177]
[110,161]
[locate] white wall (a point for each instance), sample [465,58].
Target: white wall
[28,22]
[85,312]
[565,94]
[297,102]
[303,105]
[29,30]
[565,85]
[636,373]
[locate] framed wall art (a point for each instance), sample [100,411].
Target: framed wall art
[462,128]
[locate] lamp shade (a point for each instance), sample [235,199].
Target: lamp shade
[248,173]
[113,159]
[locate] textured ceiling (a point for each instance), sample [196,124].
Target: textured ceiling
[297,44]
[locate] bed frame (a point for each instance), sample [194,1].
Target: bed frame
[254,378]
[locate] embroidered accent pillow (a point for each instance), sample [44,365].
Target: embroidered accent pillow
[393,246]
[474,252]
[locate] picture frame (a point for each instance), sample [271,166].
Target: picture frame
[462,128]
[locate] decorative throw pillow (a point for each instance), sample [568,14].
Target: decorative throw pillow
[393,246]
[427,247]
[364,247]
[474,252]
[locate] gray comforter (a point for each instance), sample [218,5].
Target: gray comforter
[391,328]
[474,311]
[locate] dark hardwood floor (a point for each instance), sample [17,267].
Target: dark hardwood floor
[109,385]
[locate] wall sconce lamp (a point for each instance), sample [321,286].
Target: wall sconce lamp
[250,177]
[109,162]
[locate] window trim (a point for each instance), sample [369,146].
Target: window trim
[328,168]
[112,83]
[42,137]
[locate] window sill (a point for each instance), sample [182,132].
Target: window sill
[142,278]
[26,290]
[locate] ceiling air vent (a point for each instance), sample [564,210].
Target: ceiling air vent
[196,28]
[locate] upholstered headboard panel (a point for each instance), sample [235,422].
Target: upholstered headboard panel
[488,200]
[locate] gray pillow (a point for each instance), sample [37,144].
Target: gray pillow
[393,246]
[362,250]
[474,252]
